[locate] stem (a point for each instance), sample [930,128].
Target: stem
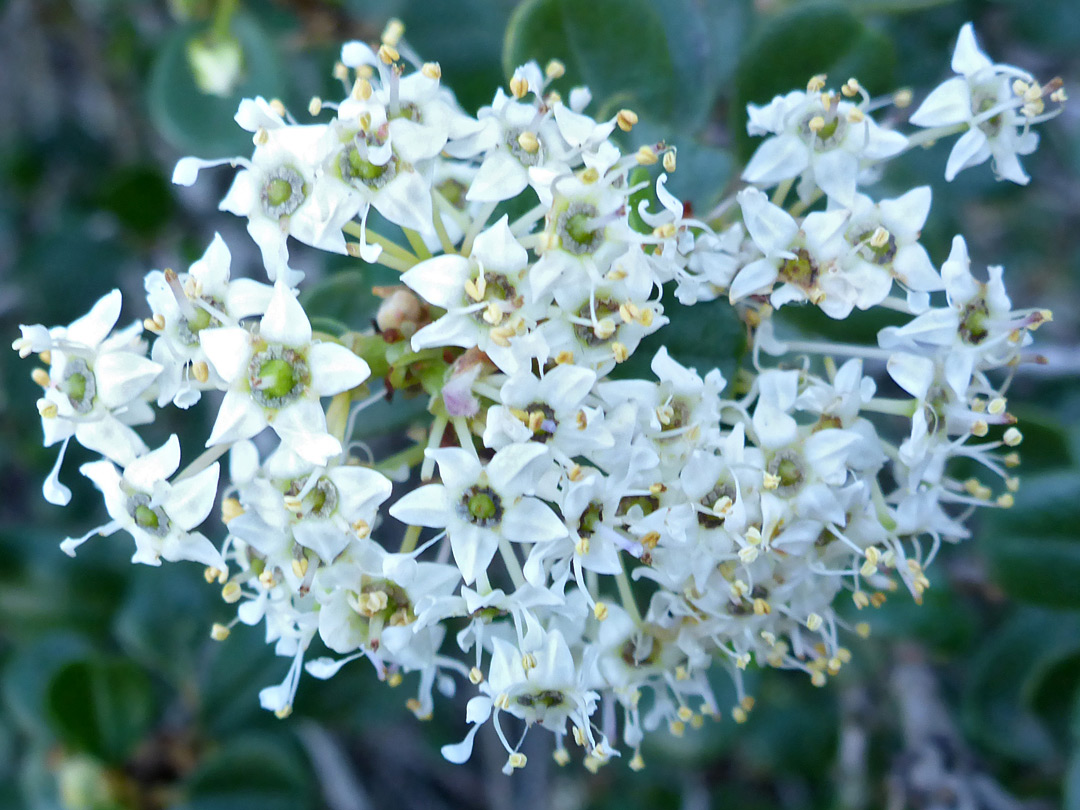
[337,415]
[927,137]
[438,427]
[440,226]
[477,225]
[464,435]
[524,223]
[626,593]
[223,15]
[781,192]
[799,207]
[205,459]
[895,407]
[408,542]
[410,456]
[513,567]
[417,244]
[388,245]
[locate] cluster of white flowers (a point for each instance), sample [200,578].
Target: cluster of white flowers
[596,544]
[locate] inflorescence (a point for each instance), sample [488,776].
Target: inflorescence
[598,544]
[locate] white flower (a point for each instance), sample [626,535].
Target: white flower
[95,381]
[276,376]
[826,145]
[161,517]
[981,97]
[478,504]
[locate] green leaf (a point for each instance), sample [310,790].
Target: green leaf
[1033,548]
[103,707]
[254,772]
[705,336]
[195,122]
[1004,679]
[801,42]
[346,297]
[616,47]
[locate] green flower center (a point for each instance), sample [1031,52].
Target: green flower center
[973,326]
[481,506]
[576,229]
[355,167]
[151,519]
[80,385]
[277,377]
[146,518]
[283,192]
[800,271]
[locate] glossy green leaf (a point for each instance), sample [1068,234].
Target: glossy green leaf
[1033,549]
[102,707]
[616,47]
[1004,679]
[801,42]
[346,297]
[253,772]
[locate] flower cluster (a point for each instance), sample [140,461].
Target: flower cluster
[592,540]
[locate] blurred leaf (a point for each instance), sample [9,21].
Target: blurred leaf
[141,199]
[704,37]
[101,706]
[254,772]
[800,42]
[705,336]
[616,47]
[28,671]
[1004,679]
[1033,548]
[346,296]
[165,620]
[195,122]
[894,6]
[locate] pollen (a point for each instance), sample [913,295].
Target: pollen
[813,622]
[230,508]
[388,54]
[393,32]
[851,88]
[646,156]
[555,69]
[314,106]
[529,142]
[600,611]
[519,87]
[219,632]
[200,370]
[432,70]
[816,83]
[669,161]
[564,357]
[48,410]
[1012,437]
[41,377]
[476,677]
[620,352]
[626,119]
[231,592]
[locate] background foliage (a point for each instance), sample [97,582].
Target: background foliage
[112,694]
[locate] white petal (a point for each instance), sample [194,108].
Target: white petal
[515,467]
[302,426]
[970,149]
[458,468]
[335,369]
[424,506]
[459,753]
[771,227]
[949,103]
[439,281]
[228,348]
[835,173]
[907,214]
[156,466]
[532,521]
[187,169]
[190,500]
[238,418]
[285,321]
[912,373]
[473,549]
[92,327]
[55,492]
[968,59]
[754,277]
[321,536]
[111,438]
[778,158]
[122,376]
[497,249]
[500,177]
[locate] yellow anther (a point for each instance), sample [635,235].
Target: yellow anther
[833,666]
[878,599]
[1012,484]
[657,488]
[604,328]
[743,661]
[476,676]
[1059,96]
[502,701]
[493,314]
[972,485]
[589,176]
[362,528]
[980,427]
[753,536]
[628,311]
[432,70]
[762,608]
[862,629]
[561,757]
[669,161]
[851,87]
[620,352]
[266,579]
[517,760]
[528,661]
[575,473]
[529,142]
[816,124]
[1006,500]
[813,622]
[636,762]
[314,106]
[818,678]
[665,231]
[615,274]
[553,98]
[261,137]
[555,69]
[902,98]
[519,87]
[600,611]
[650,539]
[646,156]
[373,602]
[860,599]
[150,325]
[300,567]
[394,31]
[219,632]
[739,588]
[582,546]
[564,357]
[340,72]
[283,712]
[581,420]
[748,554]
[816,83]
[362,90]
[41,377]
[231,592]
[723,505]
[501,335]
[48,410]
[1011,459]
[200,370]
[827,101]
[230,508]
[414,706]
[677,728]
[46,356]
[579,736]
[739,715]
[879,238]
[1012,437]
[625,119]
[394,679]
[770,480]
[685,713]
[646,317]
[277,107]
[855,115]
[388,54]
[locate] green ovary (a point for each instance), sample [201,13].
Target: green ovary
[277,378]
[146,518]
